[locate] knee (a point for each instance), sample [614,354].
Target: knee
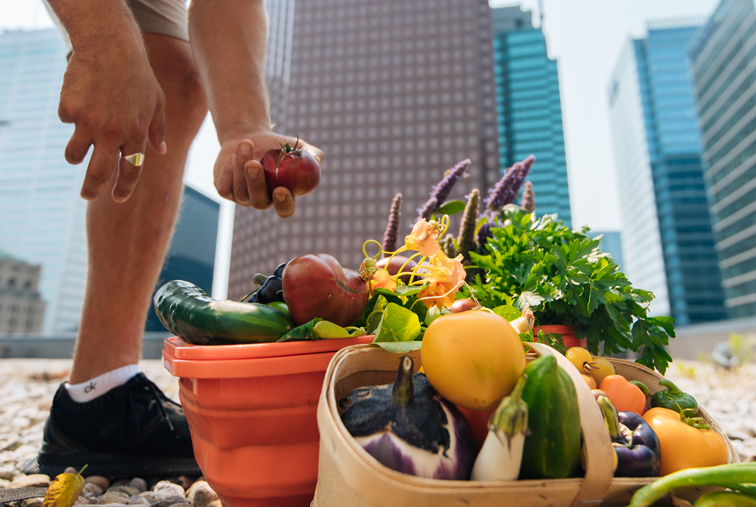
[185,98]
[186,106]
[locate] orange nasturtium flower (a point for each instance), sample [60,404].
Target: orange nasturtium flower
[381,278]
[442,276]
[424,238]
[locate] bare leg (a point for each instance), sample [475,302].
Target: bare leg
[128,241]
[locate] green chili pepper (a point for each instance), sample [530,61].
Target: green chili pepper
[737,476]
[725,499]
[674,399]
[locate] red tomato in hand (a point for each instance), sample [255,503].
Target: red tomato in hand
[292,168]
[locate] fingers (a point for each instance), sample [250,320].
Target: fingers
[284,202]
[259,194]
[156,131]
[224,181]
[101,166]
[77,147]
[128,173]
[315,152]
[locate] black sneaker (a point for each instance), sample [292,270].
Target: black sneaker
[133,430]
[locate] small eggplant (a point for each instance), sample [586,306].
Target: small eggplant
[410,428]
[634,441]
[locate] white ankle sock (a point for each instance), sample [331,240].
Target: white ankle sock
[91,389]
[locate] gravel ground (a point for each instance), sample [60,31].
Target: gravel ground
[28,386]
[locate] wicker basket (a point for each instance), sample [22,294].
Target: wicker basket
[350,477]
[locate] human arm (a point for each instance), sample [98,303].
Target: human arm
[228,39]
[109,93]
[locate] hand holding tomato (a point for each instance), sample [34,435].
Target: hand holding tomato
[239,176]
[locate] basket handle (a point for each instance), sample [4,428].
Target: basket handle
[599,453]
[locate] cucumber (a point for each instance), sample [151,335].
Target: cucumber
[552,448]
[189,312]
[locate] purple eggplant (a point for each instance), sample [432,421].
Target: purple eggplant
[410,428]
[635,442]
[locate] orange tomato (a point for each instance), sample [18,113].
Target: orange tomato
[473,358]
[625,397]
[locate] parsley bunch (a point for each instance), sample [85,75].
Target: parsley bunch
[564,278]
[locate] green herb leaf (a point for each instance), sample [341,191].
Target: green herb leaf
[326,330]
[398,324]
[509,312]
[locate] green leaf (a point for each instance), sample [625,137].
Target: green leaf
[399,347]
[326,330]
[397,325]
[432,314]
[530,299]
[451,208]
[509,312]
[406,290]
[301,333]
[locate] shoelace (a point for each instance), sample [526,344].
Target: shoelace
[143,381]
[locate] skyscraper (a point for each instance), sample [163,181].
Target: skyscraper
[41,213]
[191,254]
[667,241]
[723,68]
[395,93]
[529,108]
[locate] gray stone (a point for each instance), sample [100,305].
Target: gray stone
[7,472]
[4,483]
[70,470]
[91,488]
[201,494]
[33,502]
[103,482]
[139,500]
[114,497]
[167,501]
[120,488]
[139,483]
[181,504]
[31,481]
[82,500]
[166,488]
[113,505]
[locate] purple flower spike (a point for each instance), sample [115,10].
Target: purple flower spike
[505,191]
[443,189]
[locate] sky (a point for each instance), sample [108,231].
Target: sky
[585,36]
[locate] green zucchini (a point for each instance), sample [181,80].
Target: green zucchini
[552,448]
[189,312]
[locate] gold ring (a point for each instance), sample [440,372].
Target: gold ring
[137,159]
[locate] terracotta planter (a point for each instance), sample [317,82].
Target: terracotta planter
[568,336]
[252,414]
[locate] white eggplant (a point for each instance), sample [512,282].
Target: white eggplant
[501,455]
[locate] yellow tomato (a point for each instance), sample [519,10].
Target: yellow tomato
[473,358]
[602,368]
[579,357]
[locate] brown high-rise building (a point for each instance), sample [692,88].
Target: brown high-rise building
[394,92]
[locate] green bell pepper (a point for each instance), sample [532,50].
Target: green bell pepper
[674,399]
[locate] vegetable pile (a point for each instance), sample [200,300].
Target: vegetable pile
[467,305]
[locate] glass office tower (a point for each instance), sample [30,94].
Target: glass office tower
[668,244]
[723,68]
[41,213]
[191,254]
[529,108]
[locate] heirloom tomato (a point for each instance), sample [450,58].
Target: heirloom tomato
[472,358]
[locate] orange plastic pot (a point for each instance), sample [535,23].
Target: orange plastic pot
[251,411]
[568,336]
